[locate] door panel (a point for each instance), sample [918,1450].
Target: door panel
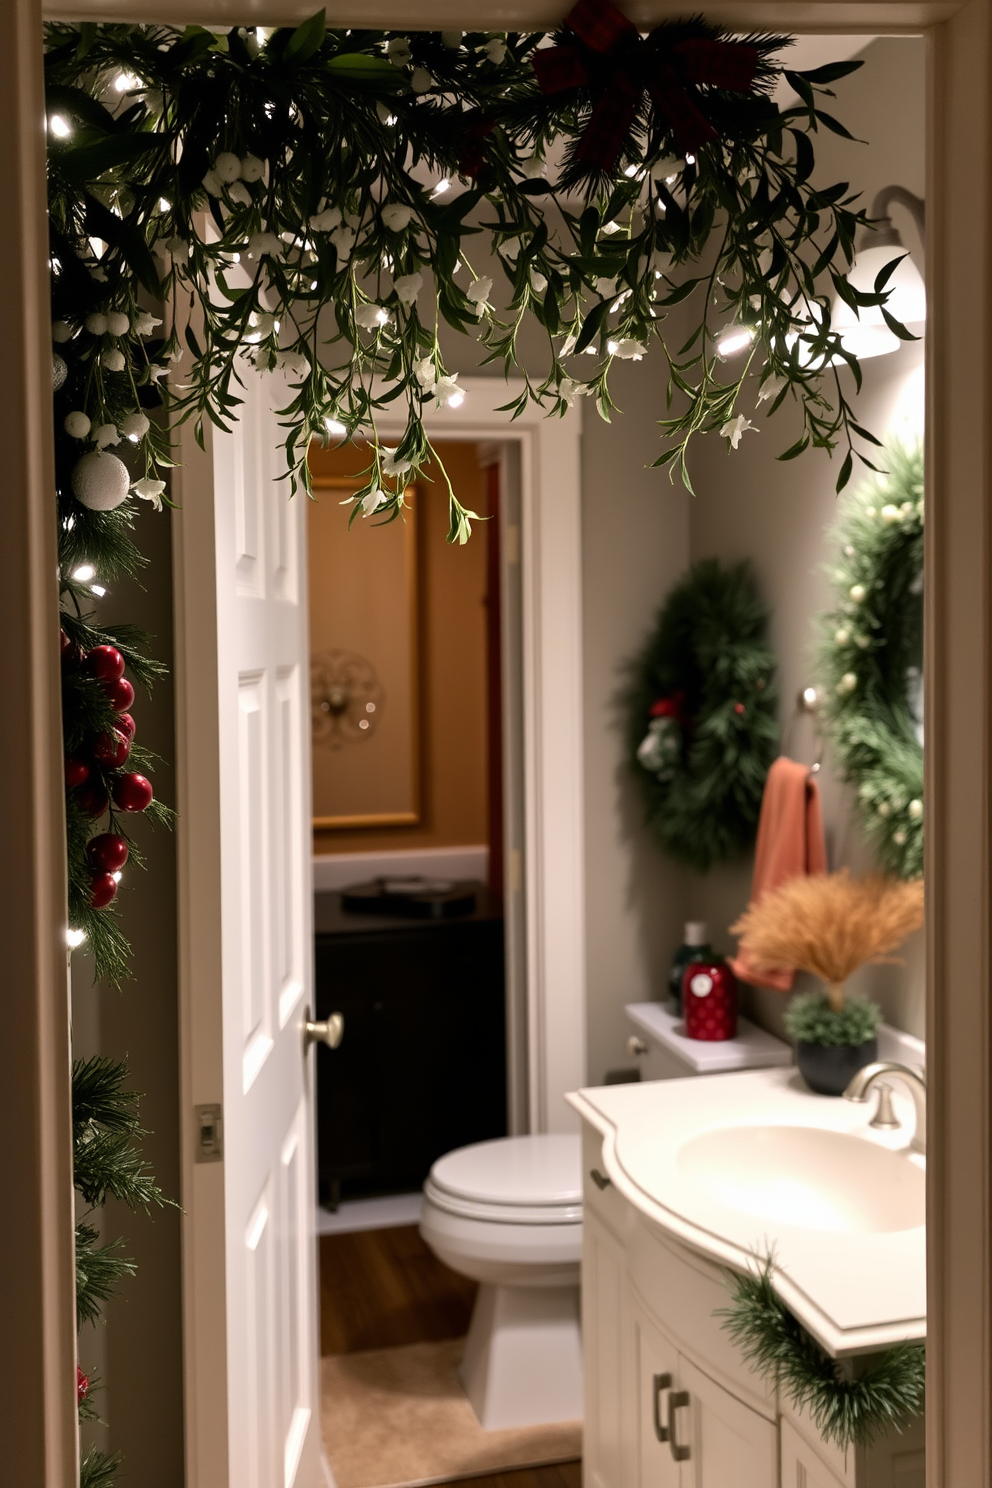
[728,1442]
[657,1374]
[604,1328]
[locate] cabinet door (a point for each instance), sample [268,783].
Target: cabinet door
[657,1364]
[603,1297]
[801,1468]
[729,1445]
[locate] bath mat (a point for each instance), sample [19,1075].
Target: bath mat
[399,1416]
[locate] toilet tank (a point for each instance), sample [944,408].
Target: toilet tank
[663,1051]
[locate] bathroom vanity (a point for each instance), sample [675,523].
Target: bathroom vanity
[684,1179]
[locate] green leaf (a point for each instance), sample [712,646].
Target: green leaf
[89,162]
[836,126]
[592,325]
[831,71]
[361,67]
[897,328]
[845,472]
[795,449]
[307,39]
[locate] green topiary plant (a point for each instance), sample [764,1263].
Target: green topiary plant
[810,1019]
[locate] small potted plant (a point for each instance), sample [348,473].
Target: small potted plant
[830,924]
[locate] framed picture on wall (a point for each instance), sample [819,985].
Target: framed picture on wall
[364,662]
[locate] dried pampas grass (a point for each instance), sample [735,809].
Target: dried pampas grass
[830,924]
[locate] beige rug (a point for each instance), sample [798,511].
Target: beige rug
[399,1416]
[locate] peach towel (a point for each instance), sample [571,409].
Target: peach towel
[790,843]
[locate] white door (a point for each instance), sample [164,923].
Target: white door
[245,912]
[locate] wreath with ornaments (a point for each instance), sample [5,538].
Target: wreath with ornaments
[872,657]
[701,707]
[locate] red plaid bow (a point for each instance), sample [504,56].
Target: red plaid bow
[639,63]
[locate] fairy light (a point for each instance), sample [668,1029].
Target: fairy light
[59,126]
[335,428]
[84,573]
[124,82]
[735,341]
[74,938]
[98,590]
[457,399]
[690,160]
[442,186]
[613,347]
[116,876]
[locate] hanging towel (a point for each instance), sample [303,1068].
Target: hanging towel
[790,843]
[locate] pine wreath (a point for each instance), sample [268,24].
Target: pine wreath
[701,710]
[848,1407]
[872,657]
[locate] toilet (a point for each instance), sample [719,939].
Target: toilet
[508,1214]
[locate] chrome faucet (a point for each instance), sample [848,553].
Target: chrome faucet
[860,1087]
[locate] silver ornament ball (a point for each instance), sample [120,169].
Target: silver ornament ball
[100,481]
[59,371]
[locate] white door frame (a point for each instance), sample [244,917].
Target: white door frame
[553,858]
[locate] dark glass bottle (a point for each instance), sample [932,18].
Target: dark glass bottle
[695,947]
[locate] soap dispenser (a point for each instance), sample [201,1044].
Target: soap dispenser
[695,947]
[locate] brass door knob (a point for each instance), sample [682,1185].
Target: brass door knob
[330,1032]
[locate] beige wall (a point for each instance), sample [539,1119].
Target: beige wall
[748,505]
[452,658]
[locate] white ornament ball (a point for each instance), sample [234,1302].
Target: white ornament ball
[847,683]
[100,481]
[883,808]
[915,810]
[252,169]
[899,838]
[890,513]
[113,360]
[857,592]
[842,636]
[61,331]
[59,371]
[96,323]
[227,166]
[135,426]
[77,424]
[118,323]
[870,511]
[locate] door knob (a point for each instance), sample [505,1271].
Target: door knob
[330,1032]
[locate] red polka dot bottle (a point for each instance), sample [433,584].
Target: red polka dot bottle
[709,1001]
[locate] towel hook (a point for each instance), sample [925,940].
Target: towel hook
[807,705]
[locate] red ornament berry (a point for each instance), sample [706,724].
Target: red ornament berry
[111,749]
[133,792]
[738,708]
[102,890]
[65,645]
[105,663]
[77,772]
[107,853]
[82,1386]
[120,694]
[92,797]
[125,721]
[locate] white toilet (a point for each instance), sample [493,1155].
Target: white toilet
[509,1215]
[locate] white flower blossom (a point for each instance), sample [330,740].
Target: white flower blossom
[262,243]
[421,80]
[252,169]
[343,239]
[118,323]
[538,282]
[570,390]
[426,374]
[394,464]
[135,426]
[238,192]
[398,51]
[212,183]
[144,323]
[157,372]
[113,360]
[76,424]
[407,287]
[446,390]
[326,220]
[228,167]
[770,388]
[373,500]
[734,428]
[262,326]
[371,317]
[61,331]
[149,490]
[628,350]
[104,435]
[495,49]
[295,363]
[478,292]
[395,216]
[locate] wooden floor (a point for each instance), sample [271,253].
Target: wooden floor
[558,1475]
[383,1289]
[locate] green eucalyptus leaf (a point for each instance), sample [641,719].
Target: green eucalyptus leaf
[307,39]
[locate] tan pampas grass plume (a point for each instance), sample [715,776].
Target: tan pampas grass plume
[830,924]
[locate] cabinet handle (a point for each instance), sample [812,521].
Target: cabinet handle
[600,1179]
[676,1399]
[661,1382]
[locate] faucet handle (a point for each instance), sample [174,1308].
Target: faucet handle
[885,1118]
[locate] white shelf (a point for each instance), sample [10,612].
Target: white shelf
[753,1048]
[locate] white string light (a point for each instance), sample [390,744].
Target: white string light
[59,126]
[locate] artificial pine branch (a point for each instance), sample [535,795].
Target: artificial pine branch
[99,1469]
[105,1126]
[99,1270]
[884,1394]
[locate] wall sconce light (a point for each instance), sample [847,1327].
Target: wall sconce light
[867,335]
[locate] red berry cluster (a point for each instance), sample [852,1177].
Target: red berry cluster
[99,775]
[82,1386]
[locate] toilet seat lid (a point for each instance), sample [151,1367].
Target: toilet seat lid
[535,1172]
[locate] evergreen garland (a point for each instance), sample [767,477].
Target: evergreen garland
[872,657]
[880,1394]
[701,714]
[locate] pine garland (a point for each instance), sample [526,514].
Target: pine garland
[872,656]
[705,676]
[881,1395]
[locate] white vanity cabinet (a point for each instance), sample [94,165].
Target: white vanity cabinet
[669,1401]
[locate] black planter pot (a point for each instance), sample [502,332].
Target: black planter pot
[829,1068]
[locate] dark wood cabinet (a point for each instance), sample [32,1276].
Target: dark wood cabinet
[422,1065]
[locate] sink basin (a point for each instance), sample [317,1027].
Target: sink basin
[807,1177]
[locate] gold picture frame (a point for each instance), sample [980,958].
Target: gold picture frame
[365,654]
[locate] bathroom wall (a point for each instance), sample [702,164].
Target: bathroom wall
[748,505]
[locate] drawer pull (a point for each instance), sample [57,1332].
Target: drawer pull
[600,1179]
[676,1399]
[661,1382]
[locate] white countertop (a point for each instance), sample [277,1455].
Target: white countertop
[855,1292]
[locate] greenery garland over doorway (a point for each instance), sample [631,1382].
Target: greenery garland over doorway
[306,200]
